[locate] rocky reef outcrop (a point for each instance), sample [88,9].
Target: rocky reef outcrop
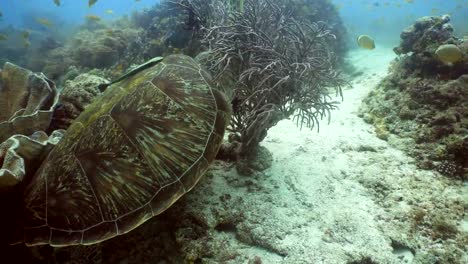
[424,101]
[87,49]
[419,43]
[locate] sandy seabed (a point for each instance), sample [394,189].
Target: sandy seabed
[338,196]
[343,194]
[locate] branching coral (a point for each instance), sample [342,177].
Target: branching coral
[281,66]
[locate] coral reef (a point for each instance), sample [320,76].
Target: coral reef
[101,48]
[27,101]
[425,99]
[421,41]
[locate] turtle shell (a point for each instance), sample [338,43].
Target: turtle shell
[128,157]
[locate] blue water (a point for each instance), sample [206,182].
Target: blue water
[382,19]
[385,19]
[19,12]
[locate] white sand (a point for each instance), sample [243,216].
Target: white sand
[329,215]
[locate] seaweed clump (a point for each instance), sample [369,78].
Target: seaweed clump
[425,100]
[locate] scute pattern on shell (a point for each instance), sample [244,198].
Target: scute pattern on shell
[129,156]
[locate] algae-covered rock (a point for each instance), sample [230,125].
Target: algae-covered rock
[426,32]
[430,49]
[101,48]
[425,97]
[434,113]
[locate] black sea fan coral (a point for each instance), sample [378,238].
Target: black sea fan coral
[281,66]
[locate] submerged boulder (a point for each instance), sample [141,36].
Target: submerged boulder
[427,32]
[431,50]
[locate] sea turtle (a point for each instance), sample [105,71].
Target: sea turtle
[130,155]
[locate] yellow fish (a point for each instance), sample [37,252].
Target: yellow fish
[93,18]
[449,53]
[91,2]
[45,22]
[366,42]
[110,11]
[57,2]
[3,37]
